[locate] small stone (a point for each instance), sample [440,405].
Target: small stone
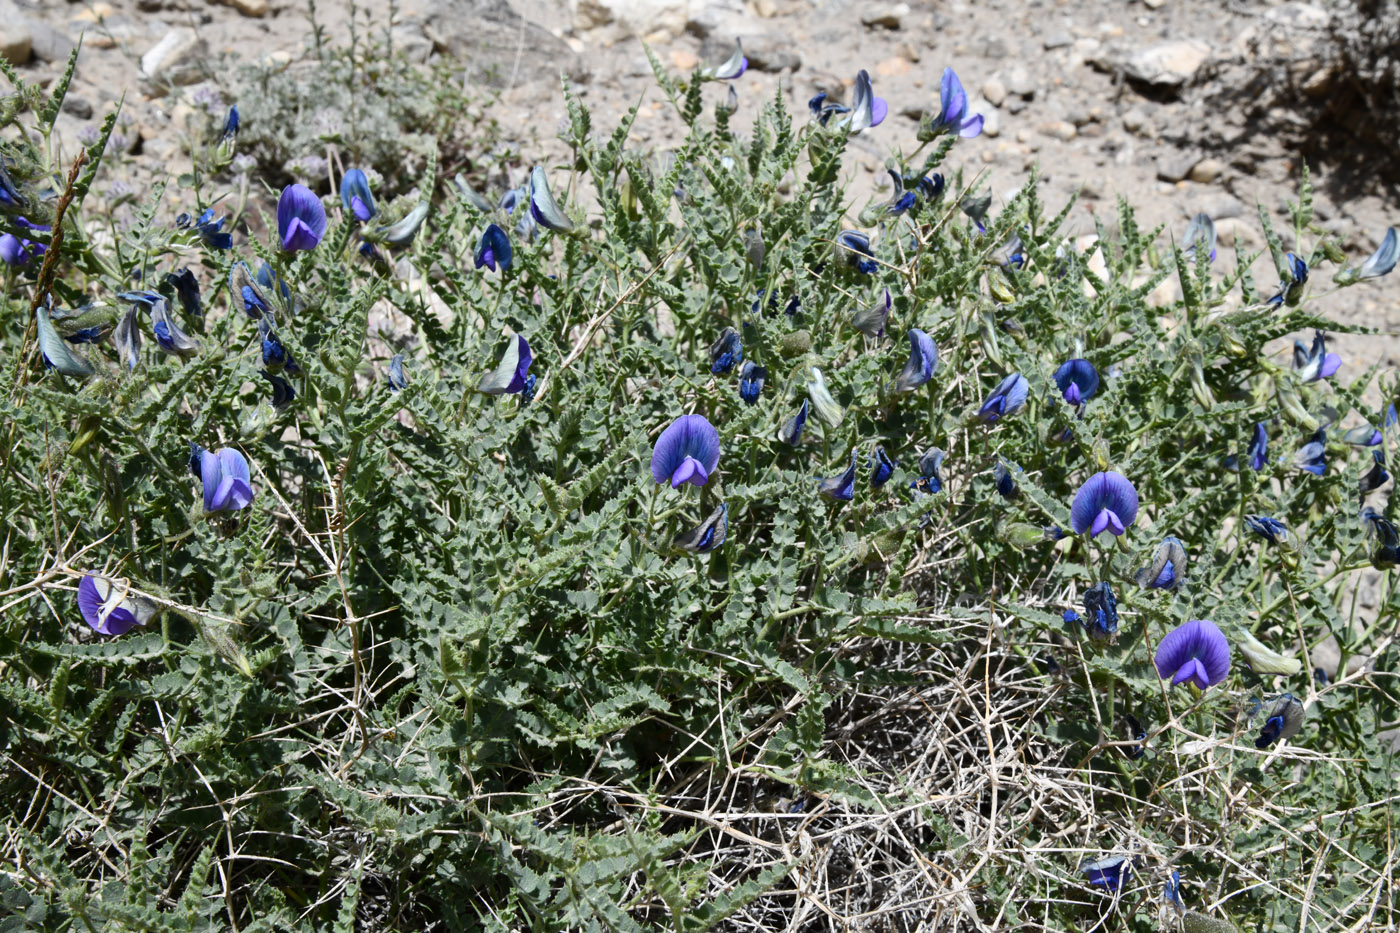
[254,8]
[991,123]
[994,90]
[1057,40]
[50,44]
[772,51]
[16,41]
[1206,171]
[1174,166]
[1020,82]
[909,50]
[95,12]
[893,67]
[684,59]
[76,106]
[175,58]
[885,16]
[1135,121]
[1091,188]
[1154,4]
[1167,64]
[1062,130]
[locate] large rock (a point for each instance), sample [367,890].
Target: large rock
[660,19]
[1167,64]
[50,44]
[16,40]
[178,58]
[496,45]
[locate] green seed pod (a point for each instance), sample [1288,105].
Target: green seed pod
[58,688]
[1292,405]
[987,333]
[795,344]
[1000,288]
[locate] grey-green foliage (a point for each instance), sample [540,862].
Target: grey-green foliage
[447,668]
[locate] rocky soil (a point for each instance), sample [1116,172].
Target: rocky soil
[1144,100]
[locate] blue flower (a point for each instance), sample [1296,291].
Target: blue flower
[230,129]
[355,196]
[928,186]
[822,109]
[1387,540]
[1200,233]
[1312,456]
[1283,718]
[1107,872]
[733,66]
[1379,263]
[881,467]
[282,392]
[1102,608]
[1376,477]
[686,452]
[247,295]
[726,352]
[929,480]
[1078,380]
[1259,447]
[867,110]
[923,361]
[276,357]
[791,431]
[954,117]
[209,229]
[1271,528]
[751,382]
[494,248]
[709,535]
[1168,566]
[871,321]
[1171,892]
[397,379]
[841,487]
[186,289]
[301,219]
[109,607]
[512,373]
[793,306]
[1315,363]
[127,338]
[1070,617]
[1291,288]
[169,337]
[1009,395]
[853,247]
[1005,480]
[902,203]
[224,474]
[11,201]
[1106,502]
[542,205]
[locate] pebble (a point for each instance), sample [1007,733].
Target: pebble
[991,123]
[16,41]
[176,57]
[1154,4]
[76,106]
[684,59]
[1167,64]
[1059,129]
[1206,171]
[1135,121]
[994,90]
[893,67]
[885,16]
[1020,82]
[254,8]
[1057,40]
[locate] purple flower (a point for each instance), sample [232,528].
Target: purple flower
[1200,232]
[209,229]
[842,487]
[1259,447]
[867,110]
[954,118]
[923,360]
[881,467]
[708,535]
[494,248]
[1291,288]
[1194,651]
[1283,717]
[109,606]
[13,250]
[751,379]
[512,373]
[1168,566]
[301,220]
[791,431]
[543,207]
[1009,395]
[853,247]
[726,352]
[1107,872]
[824,109]
[224,473]
[1105,501]
[734,66]
[686,452]
[1312,456]
[1383,259]
[355,195]
[1078,380]
[1315,363]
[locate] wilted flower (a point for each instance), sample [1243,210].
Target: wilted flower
[55,352]
[1009,395]
[1139,735]
[954,117]
[282,392]
[494,248]
[1107,872]
[853,247]
[11,201]
[823,109]
[301,220]
[929,480]
[1312,456]
[708,535]
[822,402]
[1194,651]
[542,205]
[734,66]
[276,357]
[753,246]
[401,234]
[1259,447]
[1316,363]
[791,431]
[881,467]
[230,128]
[1106,501]
[1171,892]
[1168,567]
[923,361]
[726,352]
[751,381]
[871,321]
[1283,718]
[1291,288]
[246,293]
[867,110]
[1374,478]
[110,607]
[1200,233]
[1005,480]
[224,473]
[512,374]
[686,452]
[186,289]
[1264,660]
[976,209]
[169,337]
[397,379]
[209,229]
[1266,527]
[1379,263]
[1078,380]
[127,338]
[355,196]
[841,487]
[1102,608]
[1387,539]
